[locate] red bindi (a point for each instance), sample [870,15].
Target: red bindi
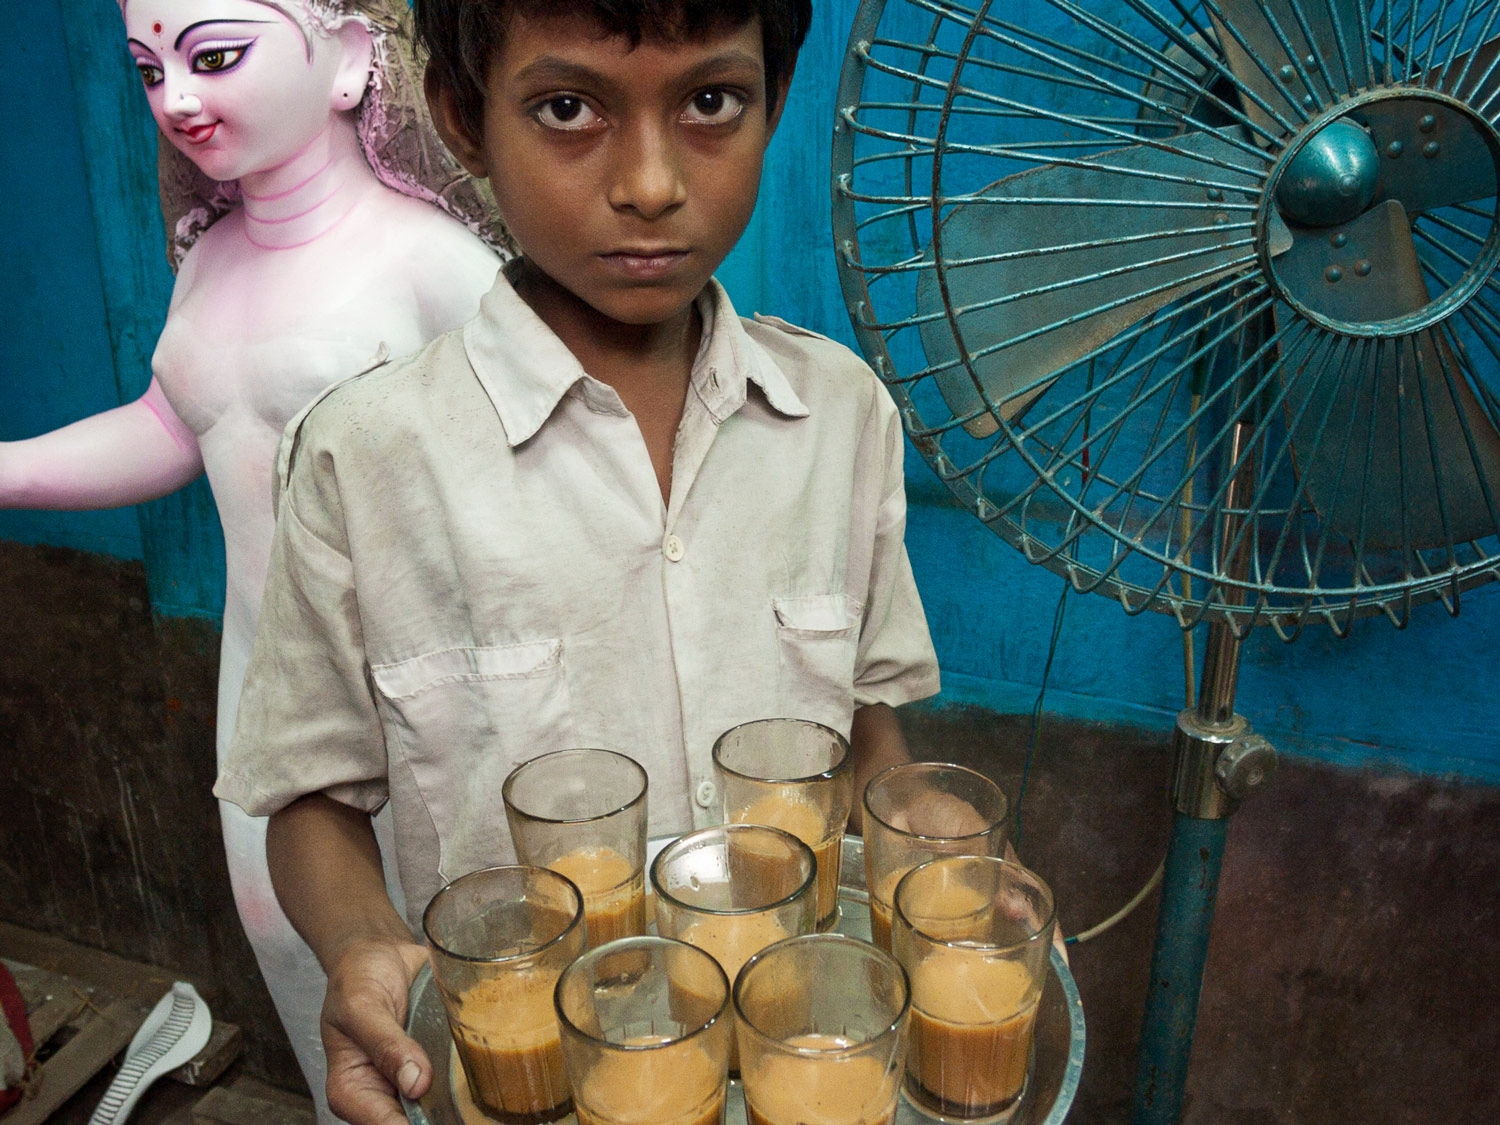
[156,27]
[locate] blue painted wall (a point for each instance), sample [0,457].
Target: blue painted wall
[55,358]
[1418,700]
[86,283]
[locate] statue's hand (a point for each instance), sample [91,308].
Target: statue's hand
[128,455]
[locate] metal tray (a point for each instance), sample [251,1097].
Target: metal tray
[1055,1073]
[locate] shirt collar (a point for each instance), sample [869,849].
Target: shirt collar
[526,370]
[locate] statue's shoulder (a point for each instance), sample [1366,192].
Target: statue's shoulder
[431,248]
[424,221]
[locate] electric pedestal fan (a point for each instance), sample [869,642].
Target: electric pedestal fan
[1191,301]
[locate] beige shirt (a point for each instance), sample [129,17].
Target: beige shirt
[473,565]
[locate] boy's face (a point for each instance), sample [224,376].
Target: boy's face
[625,175]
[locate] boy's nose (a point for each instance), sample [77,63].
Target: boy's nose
[648,174]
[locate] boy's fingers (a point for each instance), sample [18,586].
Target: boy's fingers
[369,1053]
[357,1092]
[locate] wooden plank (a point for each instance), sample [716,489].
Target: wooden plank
[224,1045]
[100,1037]
[183,1116]
[52,999]
[55,998]
[129,979]
[58,1011]
[30,981]
[248,1102]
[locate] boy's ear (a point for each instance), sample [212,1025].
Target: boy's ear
[450,126]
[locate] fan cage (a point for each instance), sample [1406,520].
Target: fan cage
[1162,464]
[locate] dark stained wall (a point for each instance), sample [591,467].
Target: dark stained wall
[108,833]
[1353,976]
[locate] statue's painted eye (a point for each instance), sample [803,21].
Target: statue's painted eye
[219,57]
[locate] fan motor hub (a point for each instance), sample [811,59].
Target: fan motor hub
[1332,179]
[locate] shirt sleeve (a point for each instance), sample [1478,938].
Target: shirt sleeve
[896,662]
[307,721]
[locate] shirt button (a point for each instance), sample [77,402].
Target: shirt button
[707,793]
[673,549]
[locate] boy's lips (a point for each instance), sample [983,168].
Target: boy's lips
[643,262]
[198,134]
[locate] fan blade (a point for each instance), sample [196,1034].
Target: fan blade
[1473,77]
[1334,62]
[1061,259]
[1371,462]
[1431,155]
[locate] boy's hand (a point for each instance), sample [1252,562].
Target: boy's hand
[939,814]
[370,1056]
[325,865]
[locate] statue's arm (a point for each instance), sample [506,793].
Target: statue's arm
[128,455]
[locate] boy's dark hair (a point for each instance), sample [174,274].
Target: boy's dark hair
[461,36]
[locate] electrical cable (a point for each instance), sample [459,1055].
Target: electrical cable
[1190,692]
[1124,912]
[1036,708]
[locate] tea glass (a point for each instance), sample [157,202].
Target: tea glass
[797,776]
[582,813]
[974,934]
[646,1031]
[921,810]
[498,940]
[822,1025]
[734,889]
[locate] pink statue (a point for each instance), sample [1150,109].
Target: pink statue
[316,220]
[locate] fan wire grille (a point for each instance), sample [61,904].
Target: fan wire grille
[1070,242]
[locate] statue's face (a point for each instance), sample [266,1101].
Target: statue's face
[236,85]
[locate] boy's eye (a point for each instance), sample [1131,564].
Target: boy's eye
[150,74]
[566,111]
[713,107]
[216,59]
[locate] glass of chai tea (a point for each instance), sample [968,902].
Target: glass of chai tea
[734,889]
[797,776]
[974,934]
[646,1031]
[822,1023]
[499,939]
[583,813]
[919,811]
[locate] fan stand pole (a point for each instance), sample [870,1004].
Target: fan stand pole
[1219,763]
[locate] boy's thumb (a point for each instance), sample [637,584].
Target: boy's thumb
[407,1078]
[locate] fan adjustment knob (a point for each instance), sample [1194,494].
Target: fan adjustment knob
[1246,766]
[1332,178]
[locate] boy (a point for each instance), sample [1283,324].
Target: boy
[605,513]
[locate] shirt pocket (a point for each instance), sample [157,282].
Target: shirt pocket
[818,641]
[461,719]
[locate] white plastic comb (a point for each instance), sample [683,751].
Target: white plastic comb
[175,1031]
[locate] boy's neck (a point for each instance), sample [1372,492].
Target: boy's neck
[648,365]
[629,357]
